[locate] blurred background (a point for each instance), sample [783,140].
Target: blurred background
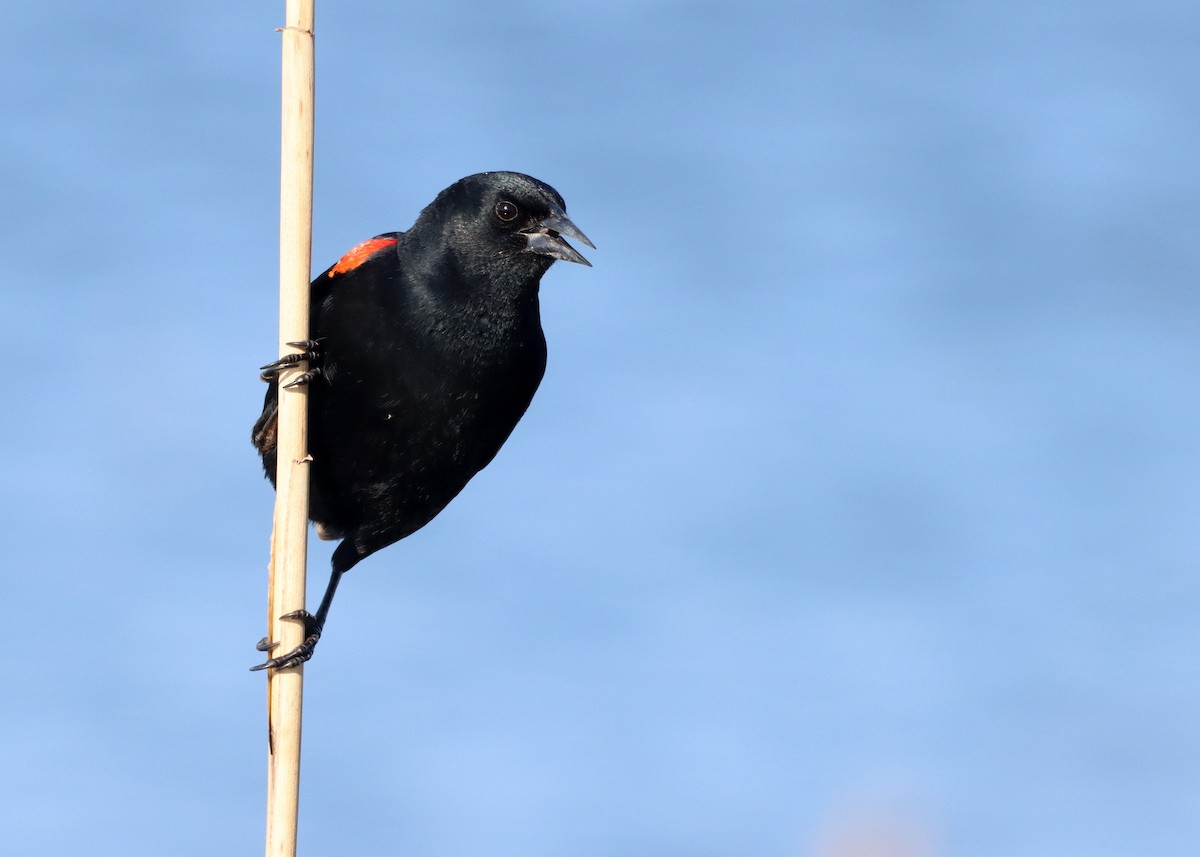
[856,514]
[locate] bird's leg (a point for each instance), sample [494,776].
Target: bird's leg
[313,626]
[310,352]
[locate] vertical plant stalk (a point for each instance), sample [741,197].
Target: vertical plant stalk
[289,537]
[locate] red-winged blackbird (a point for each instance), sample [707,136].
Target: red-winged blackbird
[426,349]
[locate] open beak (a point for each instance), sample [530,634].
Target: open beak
[546,238]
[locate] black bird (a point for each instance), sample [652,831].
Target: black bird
[426,349]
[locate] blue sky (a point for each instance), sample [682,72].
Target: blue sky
[860,497]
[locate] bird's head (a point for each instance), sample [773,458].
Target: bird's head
[509,215]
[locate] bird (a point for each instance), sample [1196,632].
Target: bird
[426,350]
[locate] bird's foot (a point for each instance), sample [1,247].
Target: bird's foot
[298,655]
[310,352]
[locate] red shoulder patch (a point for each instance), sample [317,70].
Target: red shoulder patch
[358,254]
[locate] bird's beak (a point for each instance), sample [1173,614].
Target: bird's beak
[546,238]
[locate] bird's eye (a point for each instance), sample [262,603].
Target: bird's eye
[506,211]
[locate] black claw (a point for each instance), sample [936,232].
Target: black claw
[306,617]
[307,344]
[291,360]
[303,378]
[298,655]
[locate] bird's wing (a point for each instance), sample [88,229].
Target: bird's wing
[351,260]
